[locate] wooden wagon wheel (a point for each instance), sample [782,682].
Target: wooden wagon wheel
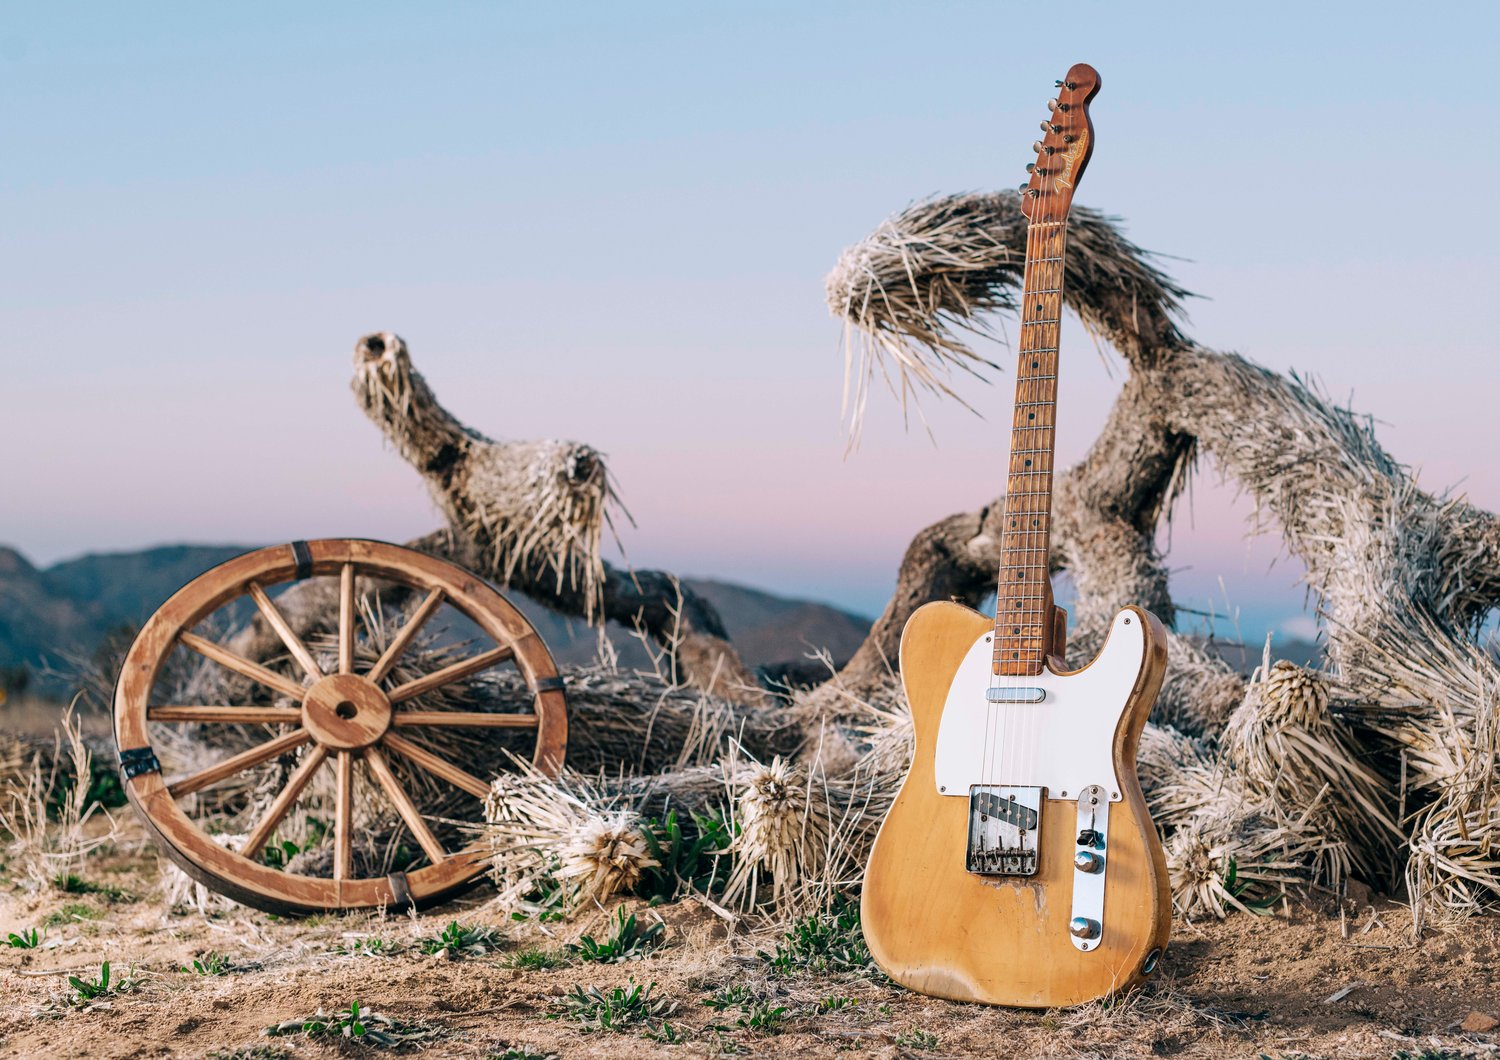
[343,717]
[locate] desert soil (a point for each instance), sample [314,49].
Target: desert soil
[1301,983]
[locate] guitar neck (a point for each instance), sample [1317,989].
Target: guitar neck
[1023,613]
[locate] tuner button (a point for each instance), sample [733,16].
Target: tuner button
[1057,84]
[1081,927]
[1048,126]
[1031,167]
[1036,145]
[1026,186]
[1052,104]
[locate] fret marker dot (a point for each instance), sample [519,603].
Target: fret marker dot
[1036,364]
[1028,463]
[1016,630]
[1015,655]
[1031,415]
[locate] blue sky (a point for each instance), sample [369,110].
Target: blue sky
[611,223]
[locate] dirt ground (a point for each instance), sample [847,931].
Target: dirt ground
[1300,984]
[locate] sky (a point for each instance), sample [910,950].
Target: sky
[611,223]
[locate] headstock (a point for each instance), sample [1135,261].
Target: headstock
[1064,149]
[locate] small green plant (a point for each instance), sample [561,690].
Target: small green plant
[731,995]
[693,858]
[460,941]
[919,1039]
[619,1010]
[356,1024]
[834,1002]
[73,911]
[762,1016]
[27,939]
[367,947]
[71,883]
[824,942]
[251,1052]
[627,942]
[278,852]
[532,960]
[87,990]
[209,963]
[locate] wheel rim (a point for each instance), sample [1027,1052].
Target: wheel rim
[346,717]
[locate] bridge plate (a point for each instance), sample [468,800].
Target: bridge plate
[1004,823]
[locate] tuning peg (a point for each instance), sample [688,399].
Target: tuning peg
[1069,85]
[1052,104]
[1031,167]
[1047,126]
[1034,193]
[1036,145]
[1026,186]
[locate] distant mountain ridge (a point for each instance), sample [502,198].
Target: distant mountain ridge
[51,617]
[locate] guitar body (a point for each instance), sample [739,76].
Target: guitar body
[938,928]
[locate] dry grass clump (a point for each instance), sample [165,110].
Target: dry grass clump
[48,816]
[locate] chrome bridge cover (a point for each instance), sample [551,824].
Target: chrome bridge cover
[1004,823]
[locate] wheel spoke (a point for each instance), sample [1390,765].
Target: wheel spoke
[284,801]
[283,630]
[241,665]
[475,719]
[418,827]
[238,763]
[404,636]
[226,715]
[448,674]
[343,816]
[437,766]
[346,619]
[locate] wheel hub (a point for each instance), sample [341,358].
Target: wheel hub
[346,712]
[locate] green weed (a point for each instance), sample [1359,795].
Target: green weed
[825,942]
[28,939]
[532,960]
[731,995]
[86,990]
[73,911]
[209,963]
[619,1010]
[694,858]
[627,942]
[357,1024]
[762,1016]
[916,1038]
[460,941]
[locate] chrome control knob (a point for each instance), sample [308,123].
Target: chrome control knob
[1087,861]
[1081,927]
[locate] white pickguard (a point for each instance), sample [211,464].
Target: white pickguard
[1063,744]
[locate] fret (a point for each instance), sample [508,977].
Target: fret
[1015,451]
[1038,261]
[1030,323]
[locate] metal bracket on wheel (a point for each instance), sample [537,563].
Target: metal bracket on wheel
[556,683]
[135,761]
[400,891]
[1090,866]
[302,555]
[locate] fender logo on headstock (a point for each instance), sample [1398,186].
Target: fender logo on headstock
[1070,159]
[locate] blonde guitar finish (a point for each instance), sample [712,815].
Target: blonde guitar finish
[940,929]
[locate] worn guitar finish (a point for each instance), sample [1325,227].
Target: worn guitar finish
[1018,865]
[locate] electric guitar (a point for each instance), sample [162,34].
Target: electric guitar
[1019,865]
